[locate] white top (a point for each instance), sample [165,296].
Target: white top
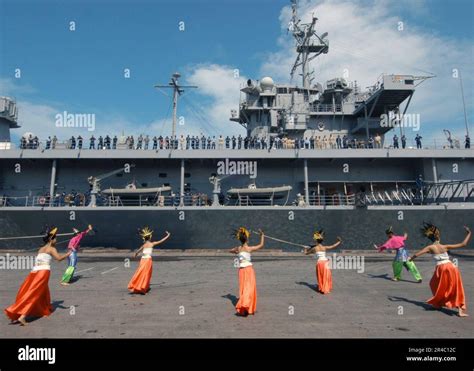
[147,251]
[42,262]
[245,259]
[441,258]
[321,255]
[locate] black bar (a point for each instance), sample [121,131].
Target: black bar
[386,353]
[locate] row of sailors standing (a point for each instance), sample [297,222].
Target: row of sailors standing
[330,141]
[203,142]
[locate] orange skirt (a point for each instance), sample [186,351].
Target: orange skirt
[247,303]
[140,282]
[324,276]
[446,286]
[33,298]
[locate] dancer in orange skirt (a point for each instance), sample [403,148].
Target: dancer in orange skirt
[140,282]
[33,298]
[247,303]
[446,283]
[323,271]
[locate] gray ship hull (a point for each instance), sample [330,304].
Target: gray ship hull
[211,228]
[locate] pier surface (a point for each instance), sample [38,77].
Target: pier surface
[193,295]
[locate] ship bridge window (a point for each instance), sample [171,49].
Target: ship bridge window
[282,91]
[162,175]
[409,82]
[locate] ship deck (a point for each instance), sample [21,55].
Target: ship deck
[204,288]
[229,153]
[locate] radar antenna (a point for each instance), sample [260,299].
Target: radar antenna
[309,44]
[177,91]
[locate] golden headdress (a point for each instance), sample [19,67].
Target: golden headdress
[145,232]
[50,234]
[430,231]
[242,231]
[318,235]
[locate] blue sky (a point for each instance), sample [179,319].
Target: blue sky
[82,71]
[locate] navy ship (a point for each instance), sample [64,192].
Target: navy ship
[330,155]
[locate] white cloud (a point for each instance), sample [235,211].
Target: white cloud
[11,88]
[222,85]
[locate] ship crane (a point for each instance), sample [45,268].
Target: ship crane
[94,182]
[216,191]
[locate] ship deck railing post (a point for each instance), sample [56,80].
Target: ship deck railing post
[52,185]
[306,182]
[181,185]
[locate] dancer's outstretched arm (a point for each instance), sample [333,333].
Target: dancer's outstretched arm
[54,253]
[138,251]
[384,246]
[168,234]
[309,250]
[261,244]
[338,242]
[463,243]
[235,250]
[424,250]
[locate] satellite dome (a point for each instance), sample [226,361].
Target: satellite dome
[267,83]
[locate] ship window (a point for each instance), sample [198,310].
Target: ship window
[162,175]
[409,82]
[187,175]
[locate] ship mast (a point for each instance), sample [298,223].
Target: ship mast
[177,91]
[307,46]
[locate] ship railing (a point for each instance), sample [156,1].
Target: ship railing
[338,199]
[449,191]
[71,200]
[6,201]
[197,200]
[425,194]
[245,200]
[34,201]
[436,143]
[315,107]
[398,196]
